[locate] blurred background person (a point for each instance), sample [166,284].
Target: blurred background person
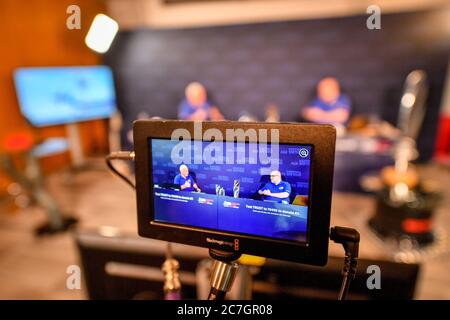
[196,105]
[330,105]
[272,113]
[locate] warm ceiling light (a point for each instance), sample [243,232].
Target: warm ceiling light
[101,33]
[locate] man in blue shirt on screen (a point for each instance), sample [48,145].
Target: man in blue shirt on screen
[276,190]
[185,181]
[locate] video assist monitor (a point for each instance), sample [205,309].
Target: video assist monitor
[235,191]
[254,188]
[64,95]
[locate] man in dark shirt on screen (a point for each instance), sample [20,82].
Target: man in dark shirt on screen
[276,190]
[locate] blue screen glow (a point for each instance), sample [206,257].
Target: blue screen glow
[235,194]
[62,95]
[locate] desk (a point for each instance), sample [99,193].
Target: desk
[356,156]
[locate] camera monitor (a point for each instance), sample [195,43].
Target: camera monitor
[242,187]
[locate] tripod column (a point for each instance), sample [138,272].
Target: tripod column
[222,279]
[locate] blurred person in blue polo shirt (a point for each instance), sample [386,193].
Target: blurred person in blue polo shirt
[185,181]
[196,106]
[330,106]
[276,190]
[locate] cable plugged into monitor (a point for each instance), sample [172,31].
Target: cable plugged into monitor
[120,155]
[349,238]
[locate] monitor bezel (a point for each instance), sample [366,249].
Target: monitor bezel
[322,138]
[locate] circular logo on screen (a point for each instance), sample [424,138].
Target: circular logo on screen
[303,152]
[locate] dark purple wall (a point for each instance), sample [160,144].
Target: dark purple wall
[247,66]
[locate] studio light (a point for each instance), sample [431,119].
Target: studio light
[101,33]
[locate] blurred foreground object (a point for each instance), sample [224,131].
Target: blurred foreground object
[373,127]
[22,145]
[405,206]
[124,266]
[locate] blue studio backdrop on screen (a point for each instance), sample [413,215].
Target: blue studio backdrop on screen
[229,199]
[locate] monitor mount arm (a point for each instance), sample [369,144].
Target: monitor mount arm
[223,274]
[225,266]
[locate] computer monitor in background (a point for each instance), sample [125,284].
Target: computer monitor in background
[65,96]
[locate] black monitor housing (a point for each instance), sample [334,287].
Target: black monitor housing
[321,141]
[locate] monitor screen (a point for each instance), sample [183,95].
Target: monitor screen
[62,95]
[260,190]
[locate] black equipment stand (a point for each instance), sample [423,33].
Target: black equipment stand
[225,266]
